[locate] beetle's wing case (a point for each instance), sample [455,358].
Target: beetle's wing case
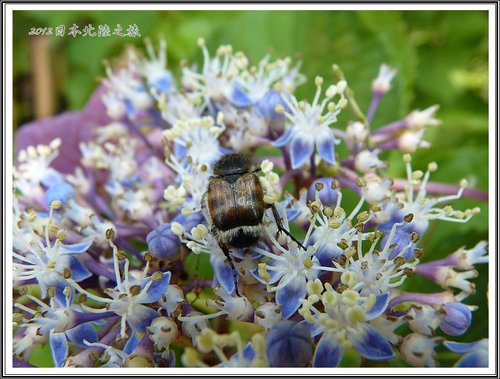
[236,203]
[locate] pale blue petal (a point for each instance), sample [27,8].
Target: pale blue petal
[155,290]
[59,191]
[248,356]
[301,150]
[380,306]
[475,359]
[223,272]
[465,347]
[283,140]
[163,83]
[171,358]
[131,344]
[76,248]
[51,178]
[78,271]
[80,332]
[289,297]
[325,146]
[373,345]
[179,151]
[239,98]
[141,318]
[59,347]
[314,329]
[328,352]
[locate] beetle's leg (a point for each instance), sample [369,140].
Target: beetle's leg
[228,256]
[281,228]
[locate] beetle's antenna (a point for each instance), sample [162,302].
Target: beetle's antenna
[281,228]
[228,256]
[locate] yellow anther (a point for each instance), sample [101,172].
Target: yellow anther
[308,263]
[56,204]
[205,341]
[334,224]
[432,166]
[349,278]
[355,314]
[61,234]
[263,273]
[314,287]
[279,108]
[363,216]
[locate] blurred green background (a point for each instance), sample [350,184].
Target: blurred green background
[441,58]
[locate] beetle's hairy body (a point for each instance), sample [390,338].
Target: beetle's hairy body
[234,206]
[234,209]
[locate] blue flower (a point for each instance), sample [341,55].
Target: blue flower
[63,323]
[309,130]
[51,264]
[344,319]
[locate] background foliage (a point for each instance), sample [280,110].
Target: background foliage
[441,58]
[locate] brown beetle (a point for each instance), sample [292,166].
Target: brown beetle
[234,206]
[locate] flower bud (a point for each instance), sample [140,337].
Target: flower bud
[289,344]
[455,318]
[163,243]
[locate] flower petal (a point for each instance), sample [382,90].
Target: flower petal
[301,150]
[325,144]
[140,318]
[155,290]
[328,352]
[379,307]
[80,332]
[179,151]
[466,347]
[59,347]
[239,98]
[131,344]
[476,359]
[223,272]
[78,271]
[373,345]
[283,140]
[289,344]
[266,106]
[76,248]
[314,329]
[289,297]
[59,191]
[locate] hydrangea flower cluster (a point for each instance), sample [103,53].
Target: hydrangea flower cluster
[114,265]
